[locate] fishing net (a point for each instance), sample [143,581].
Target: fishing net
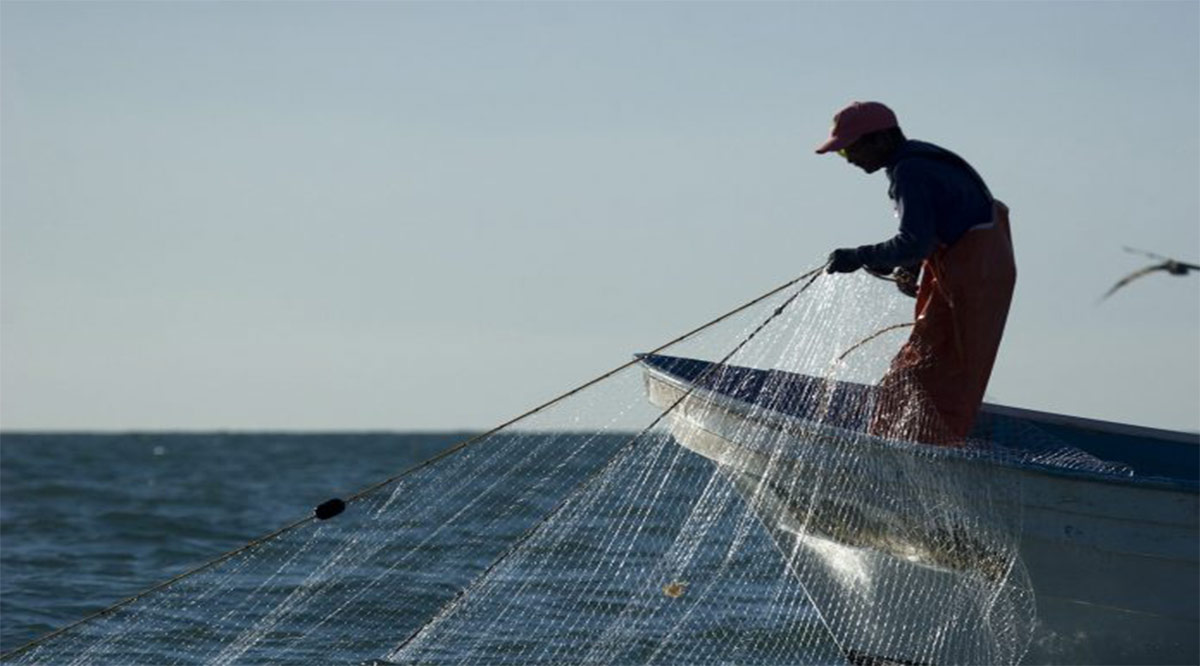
[684,509]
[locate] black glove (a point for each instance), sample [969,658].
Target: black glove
[906,280]
[844,260]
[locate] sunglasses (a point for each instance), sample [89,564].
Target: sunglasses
[845,152]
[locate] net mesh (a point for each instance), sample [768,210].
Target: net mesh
[653,518]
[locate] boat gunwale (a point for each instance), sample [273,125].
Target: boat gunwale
[747,410]
[1095,425]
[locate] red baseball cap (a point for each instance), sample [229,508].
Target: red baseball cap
[856,120]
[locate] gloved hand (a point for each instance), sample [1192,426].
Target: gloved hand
[843,260]
[906,280]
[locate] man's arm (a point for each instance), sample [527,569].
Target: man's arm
[917,236]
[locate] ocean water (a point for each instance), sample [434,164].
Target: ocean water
[87,520]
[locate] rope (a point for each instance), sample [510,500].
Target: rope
[810,276]
[599,473]
[872,337]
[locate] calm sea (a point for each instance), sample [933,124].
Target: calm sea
[90,519]
[87,520]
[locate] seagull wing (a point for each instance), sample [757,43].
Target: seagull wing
[1134,250]
[1184,264]
[1133,276]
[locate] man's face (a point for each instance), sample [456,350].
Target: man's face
[868,155]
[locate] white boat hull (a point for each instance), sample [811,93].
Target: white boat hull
[1112,566]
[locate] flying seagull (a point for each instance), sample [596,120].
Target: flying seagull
[1165,264]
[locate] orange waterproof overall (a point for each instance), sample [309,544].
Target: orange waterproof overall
[935,385]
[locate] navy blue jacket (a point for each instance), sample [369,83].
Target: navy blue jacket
[938,197]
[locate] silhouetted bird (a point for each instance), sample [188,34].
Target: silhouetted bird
[1169,265]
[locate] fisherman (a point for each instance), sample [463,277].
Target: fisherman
[953,253]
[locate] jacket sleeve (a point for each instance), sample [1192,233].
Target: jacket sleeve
[917,237]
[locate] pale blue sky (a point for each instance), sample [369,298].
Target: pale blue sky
[416,215]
